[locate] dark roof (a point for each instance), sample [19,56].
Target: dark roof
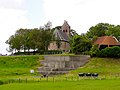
[107,40]
[60,35]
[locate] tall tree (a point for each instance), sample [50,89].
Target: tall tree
[14,43]
[80,44]
[104,29]
[114,31]
[98,30]
[46,37]
[26,39]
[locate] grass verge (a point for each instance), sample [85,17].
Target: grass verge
[65,85]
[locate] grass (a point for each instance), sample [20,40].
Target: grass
[12,66]
[103,66]
[65,85]
[18,65]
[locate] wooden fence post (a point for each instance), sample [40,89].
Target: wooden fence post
[47,79]
[72,78]
[19,80]
[26,80]
[53,79]
[66,78]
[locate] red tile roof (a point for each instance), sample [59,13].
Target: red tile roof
[107,40]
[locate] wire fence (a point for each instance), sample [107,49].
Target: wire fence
[57,78]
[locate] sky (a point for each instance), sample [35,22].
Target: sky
[80,14]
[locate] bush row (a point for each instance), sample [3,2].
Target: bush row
[113,52]
[39,52]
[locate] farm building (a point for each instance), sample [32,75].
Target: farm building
[106,41]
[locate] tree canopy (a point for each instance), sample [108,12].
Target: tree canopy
[80,44]
[26,39]
[104,29]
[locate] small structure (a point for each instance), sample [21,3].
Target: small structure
[106,41]
[31,71]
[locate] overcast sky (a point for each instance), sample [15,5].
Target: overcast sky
[80,14]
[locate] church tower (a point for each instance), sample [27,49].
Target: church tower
[66,28]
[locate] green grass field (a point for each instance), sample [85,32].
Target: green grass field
[18,65]
[65,85]
[13,68]
[108,67]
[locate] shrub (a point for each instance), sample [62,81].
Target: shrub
[94,51]
[1,82]
[40,52]
[113,52]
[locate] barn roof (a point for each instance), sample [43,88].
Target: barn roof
[107,40]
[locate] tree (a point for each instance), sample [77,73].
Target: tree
[46,26]
[57,27]
[114,31]
[98,30]
[15,43]
[34,39]
[26,39]
[94,51]
[73,32]
[46,36]
[104,29]
[80,44]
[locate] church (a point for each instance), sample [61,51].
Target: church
[61,38]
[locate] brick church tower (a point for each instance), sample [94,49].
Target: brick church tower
[66,28]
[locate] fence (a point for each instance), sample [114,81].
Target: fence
[56,79]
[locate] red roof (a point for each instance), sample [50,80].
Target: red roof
[107,40]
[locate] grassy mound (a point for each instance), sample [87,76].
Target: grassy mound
[103,66]
[21,66]
[18,65]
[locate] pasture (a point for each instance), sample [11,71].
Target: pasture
[65,85]
[15,74]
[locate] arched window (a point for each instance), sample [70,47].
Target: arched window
[66,30]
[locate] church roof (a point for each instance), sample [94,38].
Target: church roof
[59,35]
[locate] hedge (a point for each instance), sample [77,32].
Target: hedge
[113,52]
[110,52]
[39,52]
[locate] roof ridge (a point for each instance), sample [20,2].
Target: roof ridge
[115,39]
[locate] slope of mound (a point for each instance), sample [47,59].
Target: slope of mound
[103,66]
[18,65]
